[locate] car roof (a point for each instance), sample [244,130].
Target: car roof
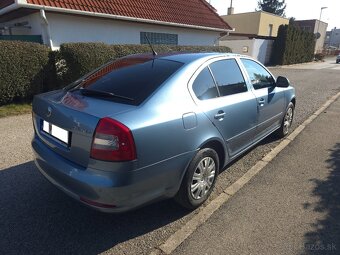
[185,57]
[190,57]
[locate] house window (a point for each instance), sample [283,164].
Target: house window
[159,38]
[270,30]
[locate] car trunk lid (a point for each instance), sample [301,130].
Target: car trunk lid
[61,114]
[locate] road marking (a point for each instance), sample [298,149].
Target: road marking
[205,213]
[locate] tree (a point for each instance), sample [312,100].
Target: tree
[276,7]
[292,21]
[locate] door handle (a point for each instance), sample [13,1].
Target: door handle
[261,101]
[219,115]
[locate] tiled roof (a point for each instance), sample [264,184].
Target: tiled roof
[187,12]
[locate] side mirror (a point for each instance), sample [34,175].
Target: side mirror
[282,82]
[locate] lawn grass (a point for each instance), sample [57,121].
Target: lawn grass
[15,109]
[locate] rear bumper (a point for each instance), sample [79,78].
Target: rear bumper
[125,190]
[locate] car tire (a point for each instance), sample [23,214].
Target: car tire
[286,122]
[199,179]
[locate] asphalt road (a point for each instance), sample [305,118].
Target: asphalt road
[36,218]
[290,208]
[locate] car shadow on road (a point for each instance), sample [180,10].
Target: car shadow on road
[37,218]
[325,237]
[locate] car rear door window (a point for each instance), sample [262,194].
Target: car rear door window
[204,86]
[259,76]
[228,77]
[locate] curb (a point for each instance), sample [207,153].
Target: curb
[204,214]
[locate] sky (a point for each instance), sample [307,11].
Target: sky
[299,9]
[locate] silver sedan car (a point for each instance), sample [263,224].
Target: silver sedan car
[145,127]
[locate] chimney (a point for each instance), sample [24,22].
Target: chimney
[231,8]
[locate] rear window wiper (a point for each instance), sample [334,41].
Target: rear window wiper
[90,92]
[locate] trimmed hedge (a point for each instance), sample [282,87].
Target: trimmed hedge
[22,66]
[292,46]
[77,59]
[27,69]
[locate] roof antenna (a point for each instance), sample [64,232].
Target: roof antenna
[154,53]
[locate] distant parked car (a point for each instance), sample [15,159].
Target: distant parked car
[146,127]
[338,59]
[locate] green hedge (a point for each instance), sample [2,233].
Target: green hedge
[292,46]
[77,59]
[27,69]
[22,68]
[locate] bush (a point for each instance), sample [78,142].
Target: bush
[319,56]
[77,59]
[22,68]
[27,68]
[292,46]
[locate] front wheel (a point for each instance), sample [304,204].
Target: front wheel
[199,179]
[286,122]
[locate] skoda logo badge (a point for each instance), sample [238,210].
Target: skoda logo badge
[49,111]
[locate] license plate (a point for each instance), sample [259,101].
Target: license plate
[56,132]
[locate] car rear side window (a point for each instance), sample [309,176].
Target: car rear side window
[204,86]
[228,77]
[133,78]
[259,77]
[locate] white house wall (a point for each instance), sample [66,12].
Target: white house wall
[72,28]
[239,46]
[257,48]
[34,21]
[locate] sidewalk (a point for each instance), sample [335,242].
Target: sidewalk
[291,207]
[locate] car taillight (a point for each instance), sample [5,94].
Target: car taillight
[113,141]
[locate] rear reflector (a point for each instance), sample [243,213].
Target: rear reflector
[113,141]
[90,202]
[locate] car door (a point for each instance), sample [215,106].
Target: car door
[270,99]
[222,94]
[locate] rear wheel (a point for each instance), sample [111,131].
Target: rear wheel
[286,122]
[199,179]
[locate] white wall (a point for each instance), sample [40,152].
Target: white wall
[38,27]
[72,28]
[34,21]
[257,48]
[237,46]
[262,50]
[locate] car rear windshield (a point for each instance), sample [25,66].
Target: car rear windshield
[133,78]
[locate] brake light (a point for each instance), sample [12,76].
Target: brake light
[113,141]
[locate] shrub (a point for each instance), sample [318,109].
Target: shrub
[292,46]
[27,68]
[22,66]
[319,56]
[77,59]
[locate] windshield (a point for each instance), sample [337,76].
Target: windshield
[135,78]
